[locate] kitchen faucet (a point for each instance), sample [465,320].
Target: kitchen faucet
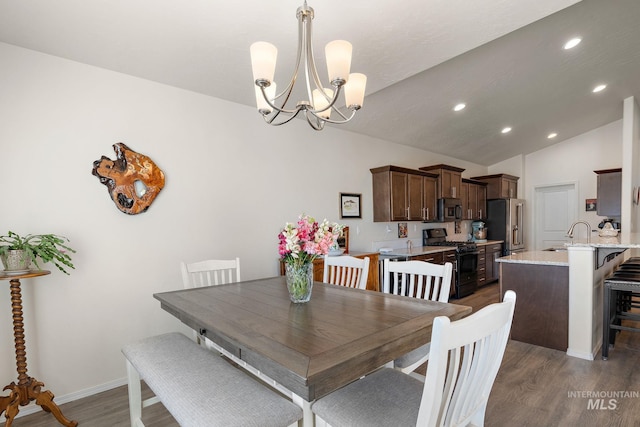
[570,232]
[409,245]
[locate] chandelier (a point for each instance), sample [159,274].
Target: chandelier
[321,101]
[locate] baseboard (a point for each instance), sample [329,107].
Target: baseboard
[32,408]
[580,354]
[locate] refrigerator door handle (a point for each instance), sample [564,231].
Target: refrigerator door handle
[517,240]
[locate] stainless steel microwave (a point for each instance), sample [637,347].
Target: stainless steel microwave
[449,209]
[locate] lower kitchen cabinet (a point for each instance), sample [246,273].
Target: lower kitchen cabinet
[441,258]
[488,269]
[482,266]
[434,258]
[492,253]
[541,315]
[450,256]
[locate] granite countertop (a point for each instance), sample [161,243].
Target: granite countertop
[538,257]
[418,250]
[624,240]
[423,250]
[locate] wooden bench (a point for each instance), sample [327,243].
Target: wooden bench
[199,388]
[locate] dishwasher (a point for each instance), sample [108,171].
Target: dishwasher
[381,271]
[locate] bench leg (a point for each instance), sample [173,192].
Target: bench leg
[135,396]
[606,322]
[307,415]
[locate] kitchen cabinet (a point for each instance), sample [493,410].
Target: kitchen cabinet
[482,201]
[449,179]
[500,186]
[402,194]
[441,258]
[414,196]
[450,256]
[482,266]
[492,253]
[609,192]
[373,281]
[474,199]
[434,258]
[429,198]
[541,315]
[464,199]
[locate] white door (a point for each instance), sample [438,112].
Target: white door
[555,211]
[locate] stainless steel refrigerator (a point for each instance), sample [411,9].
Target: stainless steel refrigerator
[505,221]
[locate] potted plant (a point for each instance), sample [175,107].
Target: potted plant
[17,252]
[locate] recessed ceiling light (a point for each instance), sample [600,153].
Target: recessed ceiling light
[506,130]
[552,135]
[599,88]
[572,43]
[459,107]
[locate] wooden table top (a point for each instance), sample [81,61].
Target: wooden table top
[314,348]
[13,275]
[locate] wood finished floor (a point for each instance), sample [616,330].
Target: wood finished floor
[536,386]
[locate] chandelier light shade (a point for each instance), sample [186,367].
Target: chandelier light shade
[263,60]
[321,100]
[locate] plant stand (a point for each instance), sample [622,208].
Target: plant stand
[27,388]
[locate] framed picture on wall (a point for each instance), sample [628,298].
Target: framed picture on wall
[591,204]
[403,230]
[350,205]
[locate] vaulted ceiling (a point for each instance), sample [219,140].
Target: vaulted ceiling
[504,59]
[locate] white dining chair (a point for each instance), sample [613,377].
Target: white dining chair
[417,279]
[464,362]
[209,272]
[346,271]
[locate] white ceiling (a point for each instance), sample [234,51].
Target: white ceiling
[503,58]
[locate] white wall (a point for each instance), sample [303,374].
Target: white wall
[573,161]
[231,184]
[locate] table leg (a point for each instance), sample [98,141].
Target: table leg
[27,388]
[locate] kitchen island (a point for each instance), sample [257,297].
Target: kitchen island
[590,263]
[540,279]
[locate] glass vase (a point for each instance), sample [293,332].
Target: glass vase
[299,279]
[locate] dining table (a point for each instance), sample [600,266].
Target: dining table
[308,349]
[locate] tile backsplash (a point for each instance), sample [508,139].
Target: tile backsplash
[464,234]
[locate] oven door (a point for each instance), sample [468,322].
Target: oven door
[466,273]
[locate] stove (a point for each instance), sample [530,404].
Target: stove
[438,237]
[460,246]
[466,267]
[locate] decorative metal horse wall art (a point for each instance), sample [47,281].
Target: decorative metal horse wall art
[133,179]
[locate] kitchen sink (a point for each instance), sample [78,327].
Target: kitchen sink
[557,249]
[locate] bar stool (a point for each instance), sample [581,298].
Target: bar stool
[621,293]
